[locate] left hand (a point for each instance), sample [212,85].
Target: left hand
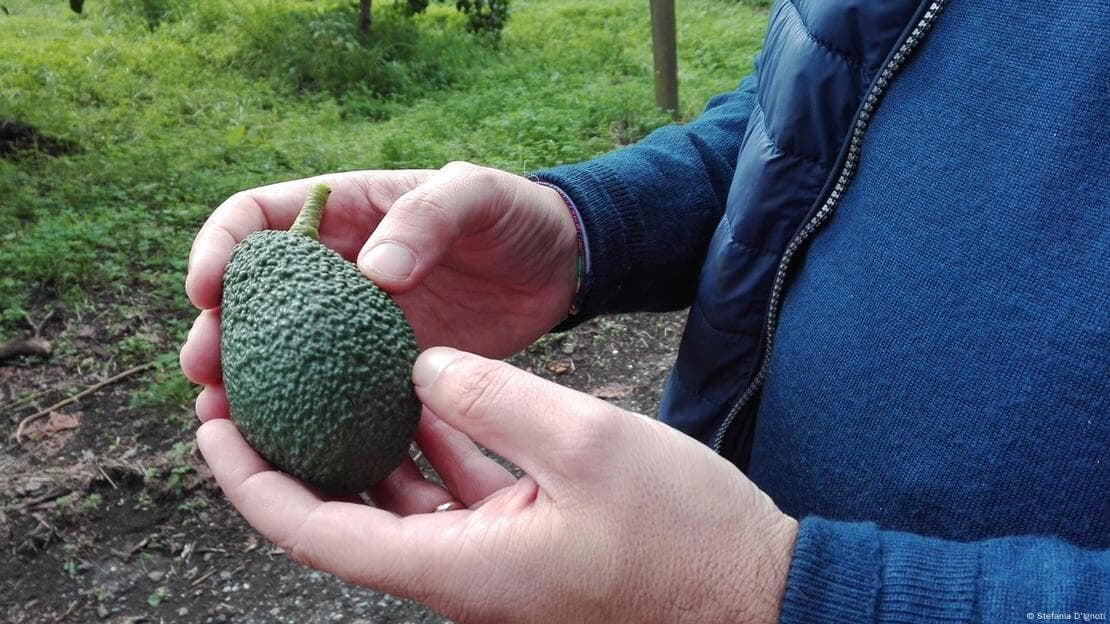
[619,519]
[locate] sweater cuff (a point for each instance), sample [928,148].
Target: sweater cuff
[600,199]
[853,572]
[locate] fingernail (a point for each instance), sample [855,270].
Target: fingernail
[389,259]
[430,364]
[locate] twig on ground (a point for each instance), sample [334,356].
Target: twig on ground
[77,397]
[49,496]
[17,402]
[204,577]
[37,327]
[105,474]
[72,606]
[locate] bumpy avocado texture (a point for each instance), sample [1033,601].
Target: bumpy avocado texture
[316,362]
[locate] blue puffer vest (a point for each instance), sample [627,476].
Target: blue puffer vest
[821,61]
[733,196]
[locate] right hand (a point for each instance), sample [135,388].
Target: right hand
[478,259]
[619,517]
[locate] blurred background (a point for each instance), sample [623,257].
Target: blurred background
[123,123]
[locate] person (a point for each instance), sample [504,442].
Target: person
[893,239]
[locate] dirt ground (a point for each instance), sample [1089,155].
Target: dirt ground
[108,514]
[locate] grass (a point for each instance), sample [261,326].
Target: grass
[173,105]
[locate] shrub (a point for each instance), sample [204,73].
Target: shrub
[320,49]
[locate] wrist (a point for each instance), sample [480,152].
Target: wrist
[761,566]
[576,253]
[770,575]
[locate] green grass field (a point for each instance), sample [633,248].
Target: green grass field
[165,107]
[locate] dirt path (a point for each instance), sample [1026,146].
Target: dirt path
[107,513]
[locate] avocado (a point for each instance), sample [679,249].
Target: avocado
[316,359]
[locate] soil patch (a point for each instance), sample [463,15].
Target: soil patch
[16,137]
[108,514]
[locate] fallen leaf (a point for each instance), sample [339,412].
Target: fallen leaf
[61,422]
[87,331]
[612,391]
[58,421]
[559,368]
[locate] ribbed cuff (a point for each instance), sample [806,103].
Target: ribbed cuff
[582,269]
[834,576]
[600,199]
[852,572]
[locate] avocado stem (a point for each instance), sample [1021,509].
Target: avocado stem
[308,220]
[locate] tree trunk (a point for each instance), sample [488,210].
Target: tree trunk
[664,52]
[364,17]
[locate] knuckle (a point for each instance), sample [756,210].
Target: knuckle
[475,175]
[427,210]
[298,542]
[243,201]
[459,167]
[478,386]
[427,202]
[429,199]
[594,437]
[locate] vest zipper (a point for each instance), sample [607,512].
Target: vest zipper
[847,170]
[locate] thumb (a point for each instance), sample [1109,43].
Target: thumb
[542,427]
[421,225]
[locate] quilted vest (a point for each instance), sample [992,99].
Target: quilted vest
[824,65]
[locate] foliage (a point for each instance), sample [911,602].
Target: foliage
[167,387]
[215,97]
[483,16]
[318,49]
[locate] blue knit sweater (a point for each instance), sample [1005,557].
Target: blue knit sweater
[937,407]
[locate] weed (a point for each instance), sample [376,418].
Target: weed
[172,475]
[71,566]
[135,348]
[157,596]
[91,502]
[195,503]
[610,327]
[144,502]
[166,387]
[176,478]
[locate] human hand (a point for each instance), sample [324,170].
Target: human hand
[492,263]
[619,517]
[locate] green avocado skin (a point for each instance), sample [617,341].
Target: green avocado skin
[317,363]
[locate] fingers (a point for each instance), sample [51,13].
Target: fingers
[200,355]
[268,499]
[355,542]
[471,477]
[200,361]
[231,222]
[357,201]
[212,404]
[467,471]
[542,427]
[422,224]
[405,491]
